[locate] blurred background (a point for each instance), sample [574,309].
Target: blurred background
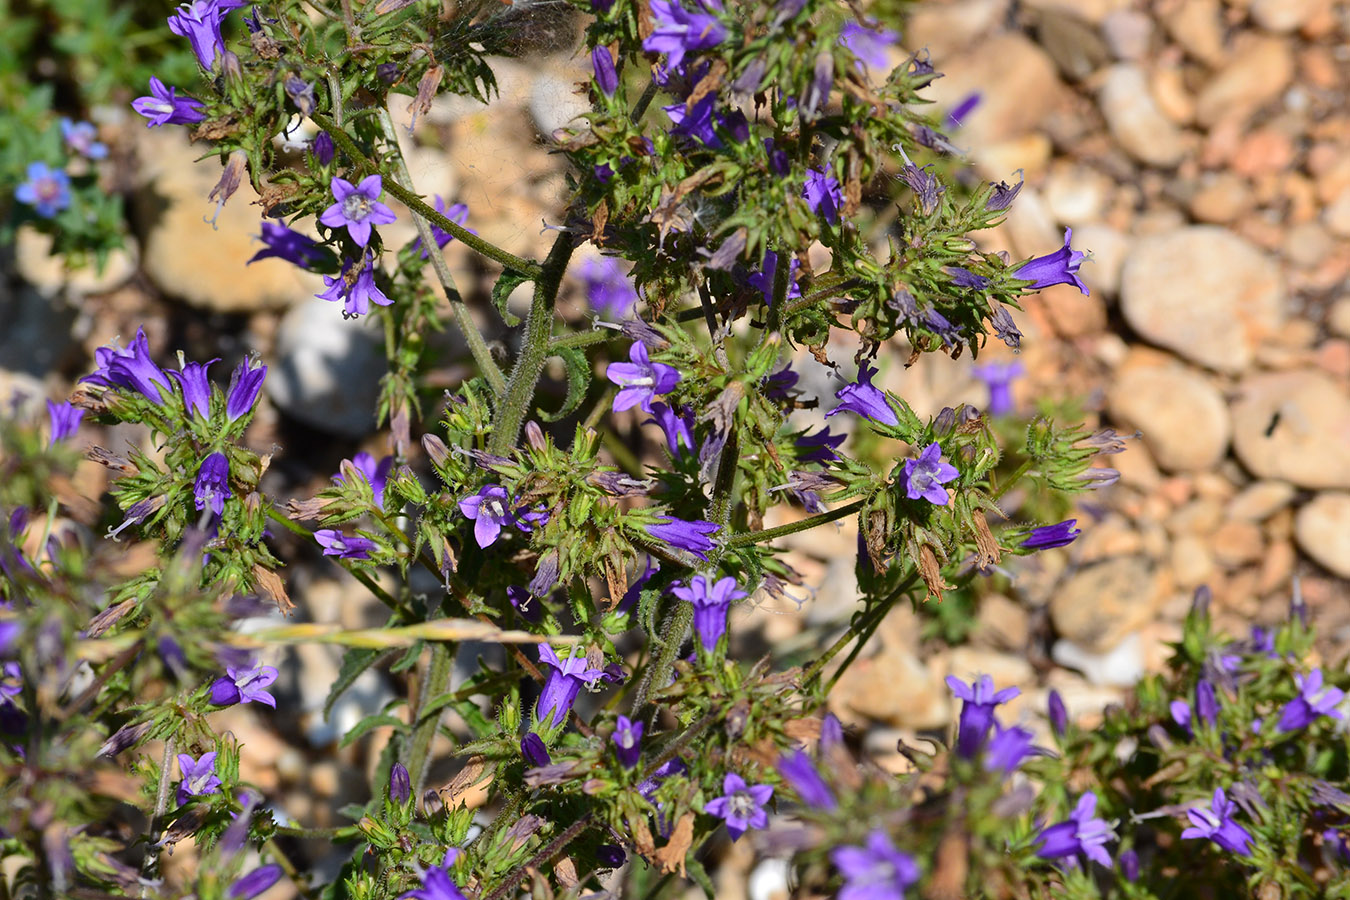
[1200,149]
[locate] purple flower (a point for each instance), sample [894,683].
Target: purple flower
[865,400]
[9,634]
[196,388]
[605,76]
[1216,823]
[244,685]
[628,742]
[130,368]
[1312,702]
[1007,748]
[691,536]
[610,856]
[958,113]
[977,711]
[823,194]
[199,776]
[1060,267]
[255,882]
[65,421]
[1079,835]
[1206,703]
[376,473]
[678,426]
[335,543]
[1046,537]
[740,805]
[1059,714]
[876,871]
[213,483]
[489,509]
[356,293]
[1002,196]
[1129,864]
[284,243]
[563,684]
[400,785]
[924,477]
[199,22]
[819,447]
[165,107]
[677,31]
[301,93]
[868,42]
[608,289]
[816,94]
[358,207]
[763,280]
[695,122]
[11,682]
[967,279]
[245,382]
[641,379]
[533,751]
[82,137]
[802,776]
[998,377]
[436,884]
[47,190]
[711,604]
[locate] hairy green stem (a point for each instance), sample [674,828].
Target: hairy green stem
[510,412]
[1012,479]
[150,862]
[768,534]
[673,634]
[437,681]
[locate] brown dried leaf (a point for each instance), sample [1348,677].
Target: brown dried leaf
[642,836]
[949,869]
[464,779]
[986,548]
[273,588]
[931,573]
[671,857]
[803,729]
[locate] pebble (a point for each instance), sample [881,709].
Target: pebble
[50,276]
[1260,500]
[1107,247]
[1254,76]
[1285,15]
[1322,528]
[944,28]
[1191,561]
[1237,543]
[1098,606]
[1221,198]
[1078,195]
[193,262]
[1136,121]
[1338,319]
[1017,82]
[37,333]
[868,690]
[1204,293]
[1198,27]
[1121,666]
[1002,623]
[1181,414]
[1128,33]
[1337,214]
[328,369]
[1309,443]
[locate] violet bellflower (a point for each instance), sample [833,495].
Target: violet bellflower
[677,426]
[533,751]
[358,207]
[165,106]
[977,711]
[823,194]
[868,42]
[741,805]
[1058,713]
[640,380]
[1313,701]
[323,148]
[213,483]
[335,543]
[245,383]
[627,739]
[711,603]
[967,279]
[695,122]
[956,117]
[608,289]
[563,684]
[199,22]
[436,883]
[196,388]
[924,477]
[876,870]
[455,212]
[998,377]
[1060,267]
[255,882]
[819,447]
[356,293]
[1081,835]
[489,509]
[1045,537]
[244,684]
[129,368]
[198,776]
[762,280]
[602,61]
[376,473]
[1008,748]
[865,400]
[1216,823]
[82,137]
[47,190]
[686,535]
[64,419]
[802,776]
[677,30]
[281,242]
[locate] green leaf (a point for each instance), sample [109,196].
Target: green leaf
[699,875]
[508,282]
[578,382]
[369,722]
[354,662]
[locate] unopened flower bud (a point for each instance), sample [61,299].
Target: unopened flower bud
[400,785]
